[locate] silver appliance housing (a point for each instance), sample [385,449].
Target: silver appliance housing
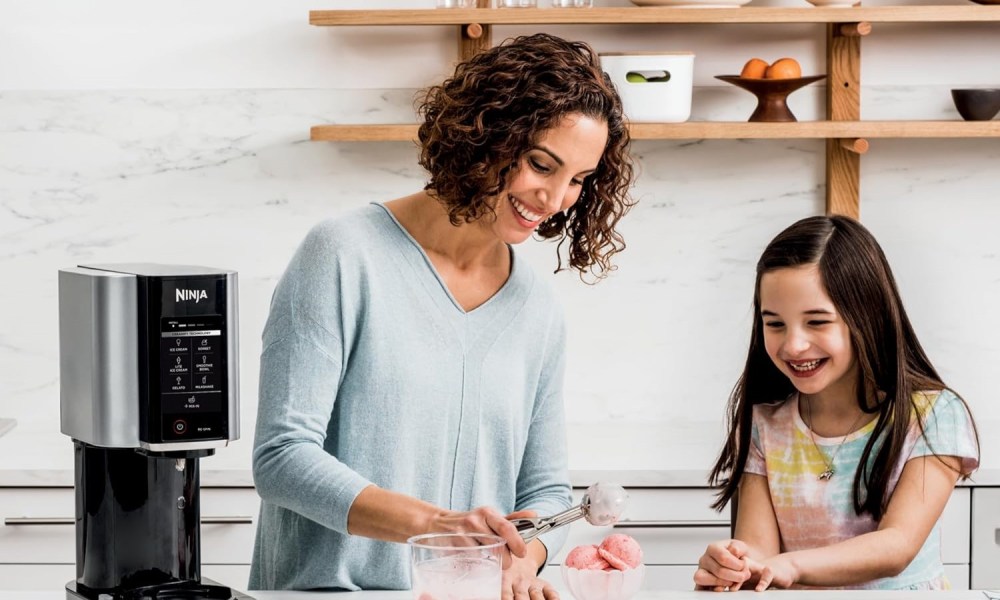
[99,354]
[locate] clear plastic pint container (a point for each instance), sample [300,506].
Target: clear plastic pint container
[456,566]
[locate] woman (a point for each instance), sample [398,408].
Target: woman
[411,376]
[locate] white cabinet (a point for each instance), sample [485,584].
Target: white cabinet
[674,525]
[38,537]
[986,538]
[37,526]
[35,577]
[955,538]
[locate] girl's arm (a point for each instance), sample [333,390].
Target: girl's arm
[756,523]
[920,496]
[724,565]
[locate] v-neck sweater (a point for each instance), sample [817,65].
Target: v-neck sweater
[371,373]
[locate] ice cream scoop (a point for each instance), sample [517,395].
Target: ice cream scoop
[603,504]
[618,552]
[586,557]
[621,551]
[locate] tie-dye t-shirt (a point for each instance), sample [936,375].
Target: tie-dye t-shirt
[814,513]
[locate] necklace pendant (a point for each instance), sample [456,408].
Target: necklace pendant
[826,474]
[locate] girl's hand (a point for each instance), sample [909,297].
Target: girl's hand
[521,583]
[722,567]
[775,572]
[483,520]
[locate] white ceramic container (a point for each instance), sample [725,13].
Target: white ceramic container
[664,96]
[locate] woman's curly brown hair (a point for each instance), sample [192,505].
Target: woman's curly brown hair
[481,121]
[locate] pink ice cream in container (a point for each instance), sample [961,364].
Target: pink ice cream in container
[612,570]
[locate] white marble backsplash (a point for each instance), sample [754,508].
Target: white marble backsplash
[216,169]
[229,179]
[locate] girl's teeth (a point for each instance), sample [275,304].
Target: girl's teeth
[524,212]
[809,366]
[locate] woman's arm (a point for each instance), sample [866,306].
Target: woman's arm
[394,517]
[543,484]
[924,487]
[298,385]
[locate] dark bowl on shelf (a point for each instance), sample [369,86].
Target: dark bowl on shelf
[977,105]
[986,1]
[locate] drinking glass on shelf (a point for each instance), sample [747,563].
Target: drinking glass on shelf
[516,3]
[572,3]
[456,3]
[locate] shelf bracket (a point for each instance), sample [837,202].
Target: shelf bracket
[855,145]
[843,103]
[473,38]
[859,29]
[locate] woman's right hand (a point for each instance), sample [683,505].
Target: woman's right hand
[483,520]
[722,567]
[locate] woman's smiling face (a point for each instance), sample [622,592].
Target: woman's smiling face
[549,177]
[804,335]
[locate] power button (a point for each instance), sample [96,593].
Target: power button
[180,426]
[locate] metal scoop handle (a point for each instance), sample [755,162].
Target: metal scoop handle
[602,504]
[530,528]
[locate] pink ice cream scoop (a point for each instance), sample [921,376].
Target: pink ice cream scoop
[586,557]
[612,570]
[621,551]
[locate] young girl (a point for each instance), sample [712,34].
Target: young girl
[844,443]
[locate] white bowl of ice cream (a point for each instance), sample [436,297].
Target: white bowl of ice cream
[611,571]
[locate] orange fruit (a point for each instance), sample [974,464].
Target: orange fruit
[784,68]
[754,69]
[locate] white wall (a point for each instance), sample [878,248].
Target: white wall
[179,133]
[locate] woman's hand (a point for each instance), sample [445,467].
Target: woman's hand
[484,520]
[723,567]
[520,582]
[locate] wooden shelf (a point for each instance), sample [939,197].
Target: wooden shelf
[654,15]
[845,133]
[717,130]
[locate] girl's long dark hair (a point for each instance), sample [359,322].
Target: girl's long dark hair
[892,365]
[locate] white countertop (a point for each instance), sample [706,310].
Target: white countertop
[664,595]
[679,454]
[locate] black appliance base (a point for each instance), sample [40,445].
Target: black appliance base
[182,590]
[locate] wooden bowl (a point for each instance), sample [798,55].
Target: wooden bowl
[977,105]
[771,95]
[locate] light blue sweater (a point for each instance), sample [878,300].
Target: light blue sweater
[371,373]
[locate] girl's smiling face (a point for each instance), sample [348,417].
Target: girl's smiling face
[549,177]
[803,333]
